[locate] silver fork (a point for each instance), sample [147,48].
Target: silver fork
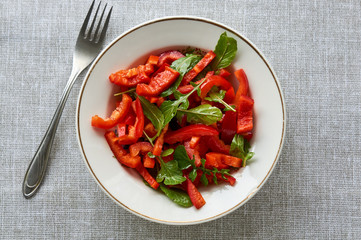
[87,47]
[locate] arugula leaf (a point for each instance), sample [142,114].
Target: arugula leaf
[240,148]
[181,156]
[181,65]
[128,91]
[230,108]
[153,113]
[167,152]
[170,173]
[176,195]
[205,114]
[169,108]
[218,97]
[225,51]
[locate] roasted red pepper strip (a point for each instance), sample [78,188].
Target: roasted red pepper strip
[150,130]
[198,68]
[194,141]
[168,57]
[136,131]
[158,83]
[118,114]
[229,126]
[140,147]
[187,132]
[120,154]
[243,84]
[158,146]
[244,114]
[147,177]
[225,159]
[214,80]
[195,196]
[231,180]
[121,129]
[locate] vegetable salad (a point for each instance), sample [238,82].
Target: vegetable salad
[180,123]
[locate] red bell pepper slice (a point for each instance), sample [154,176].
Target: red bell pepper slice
[194,141]
[121,129]
[135,131]
[169,57]
[229,126]
[147,177]
[231,180]
[153,60]
[158,146]
[214,161]
[245,114]
[195,196]
[158,83]
[198,68]
[121,154]
[150,130]
[187,132]
[193,152]
[140,147]
[133,76]
[229,96]
[216,145]
[214,80]
[224,73]
[243,87]
[148,162]
[185,89]
[225,159]
[117,115]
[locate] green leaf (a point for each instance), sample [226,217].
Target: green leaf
[193,174]
[225,51]
[181,65]
[231,107]
[151,155]
[204,179]
[205,114]
[170,173]
[240,148]
[153,113]
[167,152]
[128,91]
[218,97]
[176,195]
[181,156]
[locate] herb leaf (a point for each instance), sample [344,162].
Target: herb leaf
[178,196]
[153,113]
[181,156]
[170,173]
[181,65]
[167,152]
[240,148]
[218,97]
[205,114]
[225,51]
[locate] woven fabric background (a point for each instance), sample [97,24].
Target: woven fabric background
[314,191]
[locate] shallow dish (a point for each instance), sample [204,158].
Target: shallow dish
[126,187]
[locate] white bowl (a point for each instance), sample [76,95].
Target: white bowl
[124,185]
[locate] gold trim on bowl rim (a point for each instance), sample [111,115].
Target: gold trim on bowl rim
[191,18]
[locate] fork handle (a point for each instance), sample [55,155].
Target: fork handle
[37,168]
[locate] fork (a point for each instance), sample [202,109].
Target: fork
[88,46]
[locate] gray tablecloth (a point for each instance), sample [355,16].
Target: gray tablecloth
[315,190]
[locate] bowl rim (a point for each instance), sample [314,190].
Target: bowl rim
[191,18]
